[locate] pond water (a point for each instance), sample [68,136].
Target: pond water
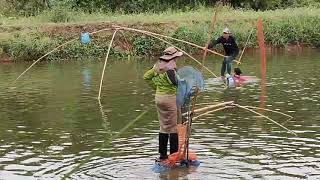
[50,121]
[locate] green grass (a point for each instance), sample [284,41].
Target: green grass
[28,38]
[225,14]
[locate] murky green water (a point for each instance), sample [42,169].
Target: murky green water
[50,121]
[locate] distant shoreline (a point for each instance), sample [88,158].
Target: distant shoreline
[27,39]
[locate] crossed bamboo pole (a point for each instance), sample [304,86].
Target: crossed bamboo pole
[169,37]
[155,35]
[209,112]
[55,49]
[149,34]
[169,43]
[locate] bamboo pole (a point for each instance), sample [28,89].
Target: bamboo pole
[168,37]
[130,29]
[105,62]
[245,46]
[213,22]
[252,107]
[213,106]
[209,112]
[101,30]
[53,50]
[205,103]
[104,117]
[154,36]
[200,110]
[266,118]
[44,57]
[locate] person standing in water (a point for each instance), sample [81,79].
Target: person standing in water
[162,78]
[231,50]
[236,80]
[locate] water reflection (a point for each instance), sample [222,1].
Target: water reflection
[86,74]
[52,121]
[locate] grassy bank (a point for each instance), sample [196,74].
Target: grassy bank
[28,38]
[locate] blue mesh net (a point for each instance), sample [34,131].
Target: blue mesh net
[189,79]
[160,168]
[85,38]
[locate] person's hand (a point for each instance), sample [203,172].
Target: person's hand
[238,62]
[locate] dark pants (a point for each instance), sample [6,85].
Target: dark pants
[227,63]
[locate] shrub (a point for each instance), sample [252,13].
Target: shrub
[60,14]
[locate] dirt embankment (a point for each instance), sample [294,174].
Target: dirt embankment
[73,29]
[69,31]
[51,32]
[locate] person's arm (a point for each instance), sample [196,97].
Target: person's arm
[172,77]
[214,43]
[148,76]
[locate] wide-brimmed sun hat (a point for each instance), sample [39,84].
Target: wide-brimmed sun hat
[170,53]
